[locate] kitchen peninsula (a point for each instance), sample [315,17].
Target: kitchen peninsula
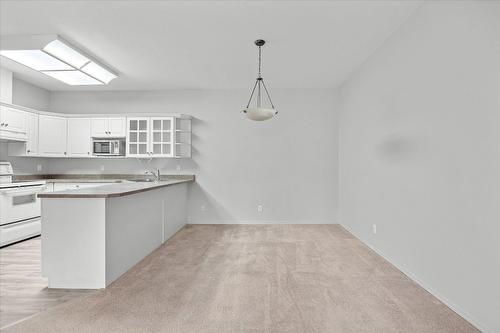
[91,236]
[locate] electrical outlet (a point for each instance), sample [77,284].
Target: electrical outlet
[38,167]
[374,229]
[178,168]
[102,167]
[203,208]
[260,209]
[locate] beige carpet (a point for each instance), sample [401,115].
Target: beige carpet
[266,278]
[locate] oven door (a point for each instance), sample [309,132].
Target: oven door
[19,203]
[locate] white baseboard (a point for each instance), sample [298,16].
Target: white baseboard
[460,311]
[262,222]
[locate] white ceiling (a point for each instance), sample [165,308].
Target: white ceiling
[209,44]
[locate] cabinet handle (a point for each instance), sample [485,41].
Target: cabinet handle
[64,153]
[28,151]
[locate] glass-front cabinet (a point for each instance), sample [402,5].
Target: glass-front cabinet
[138,137]
[162,136]
[150,136]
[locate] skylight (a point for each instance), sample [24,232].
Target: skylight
[56,58]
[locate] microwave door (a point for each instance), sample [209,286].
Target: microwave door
[101,148]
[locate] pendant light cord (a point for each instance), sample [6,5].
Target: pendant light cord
[258,83]
[259,79]
[260,60]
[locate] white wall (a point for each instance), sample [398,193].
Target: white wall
[5,85]
[29,95]
[287,164]
[420,154]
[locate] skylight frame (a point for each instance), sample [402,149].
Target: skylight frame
[41,42]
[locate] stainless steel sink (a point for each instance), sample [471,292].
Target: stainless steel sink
[143,180]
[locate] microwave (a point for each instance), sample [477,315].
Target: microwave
[108,147]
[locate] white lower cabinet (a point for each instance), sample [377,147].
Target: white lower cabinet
[52,135]
[78,142]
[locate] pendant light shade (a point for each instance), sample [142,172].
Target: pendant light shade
[258,112]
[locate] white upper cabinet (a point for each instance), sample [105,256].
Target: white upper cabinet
[79,142]
[12,124]
[162,136]
[32,132]
[46,134]
[138,137]
[109,127]
[100,127]
[30,147]
[52,135]
[150,136]
[12,120]
[117,126]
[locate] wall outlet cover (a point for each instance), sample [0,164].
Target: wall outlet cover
[38,167]
[260,209]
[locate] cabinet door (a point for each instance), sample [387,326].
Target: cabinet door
[100,127]
[32,132]
[12,120]
[162,136]
[79,137]
[52,136]
[117,127]
[138,137]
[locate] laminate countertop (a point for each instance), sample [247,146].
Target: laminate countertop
[119,188]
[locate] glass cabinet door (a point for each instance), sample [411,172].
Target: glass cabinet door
[138,137]
[162,136]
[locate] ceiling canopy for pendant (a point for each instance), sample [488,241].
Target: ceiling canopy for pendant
[259,113]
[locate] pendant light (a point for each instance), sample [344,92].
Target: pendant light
[258,112]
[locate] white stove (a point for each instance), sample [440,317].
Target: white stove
[19,207]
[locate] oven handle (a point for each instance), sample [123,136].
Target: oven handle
[23,191]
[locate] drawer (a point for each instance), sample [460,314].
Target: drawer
[14,232]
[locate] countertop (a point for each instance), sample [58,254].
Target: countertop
[119,188]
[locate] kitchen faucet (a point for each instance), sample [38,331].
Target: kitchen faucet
[156,174]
